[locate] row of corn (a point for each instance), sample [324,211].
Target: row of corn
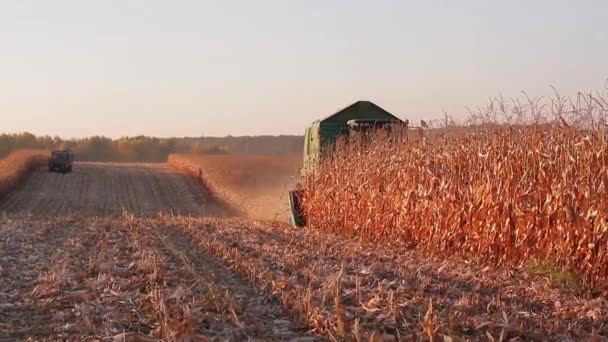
[505,195]
[16,166]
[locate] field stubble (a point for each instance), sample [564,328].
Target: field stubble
[101,189]
[141,279]
[125,279]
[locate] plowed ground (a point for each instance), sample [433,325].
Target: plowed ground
[101,189]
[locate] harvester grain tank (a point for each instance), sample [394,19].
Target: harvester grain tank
[319,138]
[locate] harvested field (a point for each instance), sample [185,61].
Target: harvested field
[255,185]
[98,189]
[166,277]
[124,280]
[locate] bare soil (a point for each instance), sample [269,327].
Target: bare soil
[101,189]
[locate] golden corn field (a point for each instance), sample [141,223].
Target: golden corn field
[15,167]
[503,194]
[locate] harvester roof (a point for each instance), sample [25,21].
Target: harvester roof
[331,126]
[360,110]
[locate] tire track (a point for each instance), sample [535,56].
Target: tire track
[25,255]
[259,317]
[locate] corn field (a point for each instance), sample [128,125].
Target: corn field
[15,167]
[503,193]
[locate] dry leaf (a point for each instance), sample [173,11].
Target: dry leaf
[134,337]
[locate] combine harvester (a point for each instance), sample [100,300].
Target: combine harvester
[321,136]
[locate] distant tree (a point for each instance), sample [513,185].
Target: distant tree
[150,149]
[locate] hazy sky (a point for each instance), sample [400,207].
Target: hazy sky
[174,68]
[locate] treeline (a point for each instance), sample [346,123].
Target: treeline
[151,149]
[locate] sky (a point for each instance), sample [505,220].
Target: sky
[77,68]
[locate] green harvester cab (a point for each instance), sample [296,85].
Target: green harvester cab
[322,135]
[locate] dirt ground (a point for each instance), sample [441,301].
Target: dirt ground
[100,189]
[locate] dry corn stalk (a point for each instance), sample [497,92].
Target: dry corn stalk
[507,194]
[15,167]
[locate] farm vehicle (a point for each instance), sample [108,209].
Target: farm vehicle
[319,138]
[61,161]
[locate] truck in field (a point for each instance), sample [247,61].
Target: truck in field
[61,161]
[359,118]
